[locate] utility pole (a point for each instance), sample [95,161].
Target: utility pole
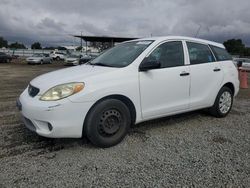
[86,46]
[81,40]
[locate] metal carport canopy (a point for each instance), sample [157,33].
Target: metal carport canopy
[104,38]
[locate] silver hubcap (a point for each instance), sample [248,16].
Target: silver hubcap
[225,102]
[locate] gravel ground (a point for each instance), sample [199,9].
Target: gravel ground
[188,150]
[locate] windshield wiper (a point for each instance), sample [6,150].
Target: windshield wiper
[101,64]
[88,63]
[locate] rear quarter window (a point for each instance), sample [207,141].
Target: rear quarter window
[221,54]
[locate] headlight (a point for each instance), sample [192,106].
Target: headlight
[62,91]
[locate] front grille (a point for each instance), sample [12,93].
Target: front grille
[33,91]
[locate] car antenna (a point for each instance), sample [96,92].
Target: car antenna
[198,30]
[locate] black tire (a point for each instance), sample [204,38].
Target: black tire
[58,58]
[41,62]
[107,123]
[215,109]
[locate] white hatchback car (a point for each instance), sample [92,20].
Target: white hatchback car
[132,82]
[55,55]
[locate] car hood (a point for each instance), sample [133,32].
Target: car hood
[73,74]
[71,58]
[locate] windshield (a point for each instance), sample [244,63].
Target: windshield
[74,56]
[122,54]
[37,55]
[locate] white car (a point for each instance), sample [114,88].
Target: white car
[243,63]
[132,82]
[73,59]
[39,59]
[55,55]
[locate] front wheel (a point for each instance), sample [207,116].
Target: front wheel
[223,103]
[107,123]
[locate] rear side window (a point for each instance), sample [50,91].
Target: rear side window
[199,53]
[169,54]
[221,54]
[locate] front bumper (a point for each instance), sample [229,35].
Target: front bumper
[72,63]
[54,119]
[33,61]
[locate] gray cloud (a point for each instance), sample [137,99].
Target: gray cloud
[52,22]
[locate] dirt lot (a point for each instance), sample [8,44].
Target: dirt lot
[192,149]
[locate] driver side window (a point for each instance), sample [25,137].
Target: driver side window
[169,54]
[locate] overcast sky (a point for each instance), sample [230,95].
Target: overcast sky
[51,22]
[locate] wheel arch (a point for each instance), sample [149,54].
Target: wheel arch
[230,86]
[127,101]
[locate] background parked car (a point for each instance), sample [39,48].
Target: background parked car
[5,58]
[55,55]
[73,59]
[243,62]
[39,59]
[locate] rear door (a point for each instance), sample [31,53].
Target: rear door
[205,73]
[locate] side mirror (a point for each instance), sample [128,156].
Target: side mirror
[148,65]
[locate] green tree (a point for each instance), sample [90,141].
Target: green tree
[36,45]
[17,45]
[3,42]
[61,48]
[247,52]
[49,48]
[79,48]
[235,46]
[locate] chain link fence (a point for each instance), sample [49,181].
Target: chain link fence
[27,52]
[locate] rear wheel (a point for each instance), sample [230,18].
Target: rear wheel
[41,62]
[107,123]
[58,58]
[223,103]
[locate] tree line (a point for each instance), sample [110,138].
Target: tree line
[236,47]
[4,43]
[17,45]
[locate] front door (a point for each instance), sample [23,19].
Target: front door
[165,90]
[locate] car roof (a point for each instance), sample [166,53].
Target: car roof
[191,39]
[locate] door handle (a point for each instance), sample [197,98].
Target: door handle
[216,69]
[184,74]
